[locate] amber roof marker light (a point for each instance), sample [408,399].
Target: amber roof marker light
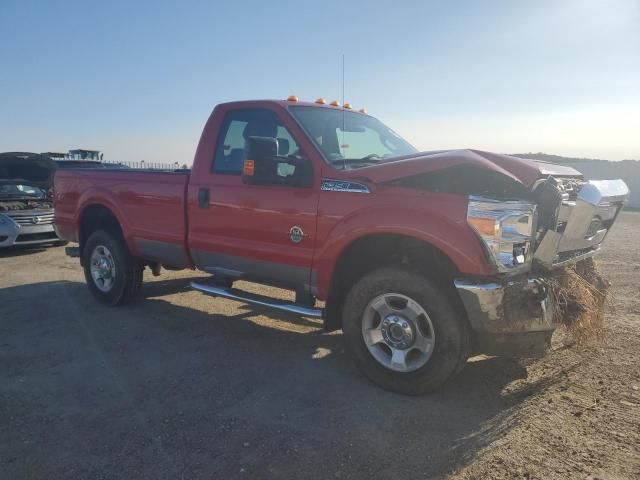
[292,98]
[321,101]
[347,106]
[363,110]
[335,103]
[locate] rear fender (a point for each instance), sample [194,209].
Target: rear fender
[102,196]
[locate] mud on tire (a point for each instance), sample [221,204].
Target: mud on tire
[447,331]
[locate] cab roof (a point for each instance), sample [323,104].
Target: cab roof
[284,103]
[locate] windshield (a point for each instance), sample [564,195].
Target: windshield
[348,138]
[21,191]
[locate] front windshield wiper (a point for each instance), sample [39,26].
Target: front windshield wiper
[373,158]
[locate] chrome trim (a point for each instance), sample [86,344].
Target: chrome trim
[329,185]
[260,300]
[597,198]
[31,217]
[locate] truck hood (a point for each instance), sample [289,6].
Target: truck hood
[23,168]
[523,171]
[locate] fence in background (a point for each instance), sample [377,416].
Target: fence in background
[146,165]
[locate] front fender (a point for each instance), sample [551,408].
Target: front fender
[449,233]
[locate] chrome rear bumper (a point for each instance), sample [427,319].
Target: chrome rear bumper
[582,224]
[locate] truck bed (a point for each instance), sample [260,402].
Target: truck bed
[149,205]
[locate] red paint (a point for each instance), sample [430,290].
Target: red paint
[252,222]
[147,205]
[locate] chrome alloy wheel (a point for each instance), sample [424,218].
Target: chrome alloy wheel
[103,268]
[398,332]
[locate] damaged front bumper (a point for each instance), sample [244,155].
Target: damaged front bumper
[513,306]
[514,316]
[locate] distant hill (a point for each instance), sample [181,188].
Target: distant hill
[560,159]
[593,168]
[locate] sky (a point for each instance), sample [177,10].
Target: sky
[138,79]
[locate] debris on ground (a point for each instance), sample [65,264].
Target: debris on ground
[579,295]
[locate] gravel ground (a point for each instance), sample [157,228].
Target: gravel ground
[184,386]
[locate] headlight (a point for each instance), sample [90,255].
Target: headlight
[506,227]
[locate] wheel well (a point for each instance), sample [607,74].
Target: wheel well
[97,217]
[383,250]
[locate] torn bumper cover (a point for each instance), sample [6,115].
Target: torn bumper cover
[515,316]
[515,306]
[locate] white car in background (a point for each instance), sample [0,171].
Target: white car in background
[26,206]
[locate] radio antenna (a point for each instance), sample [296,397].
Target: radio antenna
[344,158]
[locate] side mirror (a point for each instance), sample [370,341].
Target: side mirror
[261,164]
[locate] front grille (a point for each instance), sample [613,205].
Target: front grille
[32,217]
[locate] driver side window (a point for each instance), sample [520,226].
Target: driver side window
[237,126]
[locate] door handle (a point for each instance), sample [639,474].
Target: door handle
[203,198]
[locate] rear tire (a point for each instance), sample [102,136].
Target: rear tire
[403,332]
[113,275]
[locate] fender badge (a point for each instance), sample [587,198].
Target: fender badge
[296,234]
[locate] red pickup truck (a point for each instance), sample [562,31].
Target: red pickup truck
[421,258]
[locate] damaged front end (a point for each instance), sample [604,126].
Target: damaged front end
[531,218]
[565,221]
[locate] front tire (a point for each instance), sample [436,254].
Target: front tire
[113,275]
[403,332]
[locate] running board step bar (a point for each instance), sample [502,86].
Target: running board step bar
[260,300]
